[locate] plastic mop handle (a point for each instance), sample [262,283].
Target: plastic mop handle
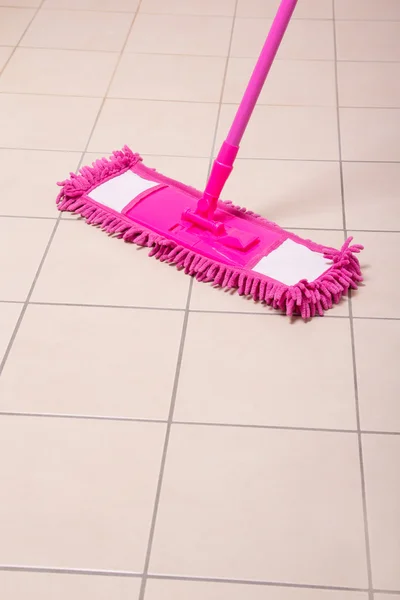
[223,164]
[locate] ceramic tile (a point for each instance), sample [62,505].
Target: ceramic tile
[219,396]
[9,314]
[5,53]
[306,9]
[227,507]
[89,483]
[21,3]
[291,82]
[180,34]
[22,244]
[360,9]
[369,84]
[173,77]
[380,296]
[381,463]
[13,23]
[46,122]
[189,7]
[63,72]
[207,297]
[304,39]
[196,590]
[286,132]
[187,169]
[47,586]
[85,266]
[78,30]
[291,193]
[99,5]
[34,194]
[377,344]
[58,340]
[371,195]
[370,134]
[368,40]
[152,127]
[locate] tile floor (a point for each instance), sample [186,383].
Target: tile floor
[160,439]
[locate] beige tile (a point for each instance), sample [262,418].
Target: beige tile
[370,134]
[305,39]
[34,194]
[380,297]
[21,3]
[5,53]
[64,72]
[292,82]
[196,590]
[386,596]
[153,127]
[206,297]
[180,34]
[294,132]
[116,347]
[173,77]
[22,244]
[47,586]
[9,314]
[362,9]
[78,30]
[368,40]
[257,504]
[90,483]
[46,122]
[13,22]
[306,9]
[189,7]
[85,266]
[377,344]
[187,169]
[326,375]
[99,5]
[372,195]
[369,84]
[381,463]
[291,193]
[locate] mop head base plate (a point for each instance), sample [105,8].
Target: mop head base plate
[255,256]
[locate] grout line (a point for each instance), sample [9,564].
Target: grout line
[255,582]
[67,571]
[266,312]
[5,413]
[352,339]
[180,355]
[258,158]
[199,579]
[165,449]
[38,271]
[28,217]
[178,101]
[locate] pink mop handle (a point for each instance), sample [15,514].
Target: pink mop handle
[261,71]
[223,164]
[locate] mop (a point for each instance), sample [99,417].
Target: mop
[210,239]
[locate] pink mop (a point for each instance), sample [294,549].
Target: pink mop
[213,240]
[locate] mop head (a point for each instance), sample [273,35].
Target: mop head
[133,202]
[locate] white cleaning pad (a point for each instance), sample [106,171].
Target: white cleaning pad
[117,192]
[292,262]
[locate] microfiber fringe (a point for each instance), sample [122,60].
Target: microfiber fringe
[304,298]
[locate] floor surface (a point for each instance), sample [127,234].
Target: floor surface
[161,439]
